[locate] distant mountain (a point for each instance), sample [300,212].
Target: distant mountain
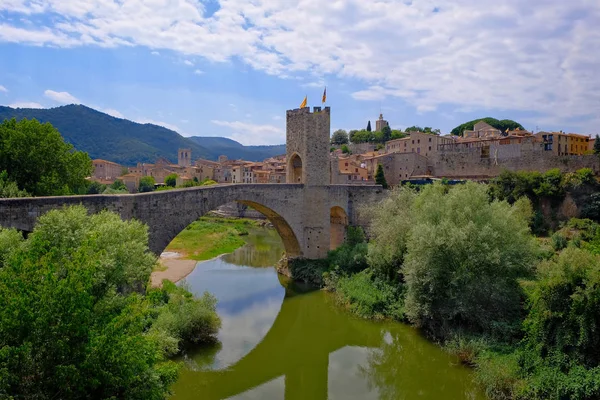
[127,142]
[236,150]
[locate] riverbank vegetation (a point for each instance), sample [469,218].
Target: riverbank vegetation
[76,318]
[462,264]
[209,237]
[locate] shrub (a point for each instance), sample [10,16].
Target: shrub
[559,241]
[463,259]
[391,222]
[146,184]
[369,296]
[171,180]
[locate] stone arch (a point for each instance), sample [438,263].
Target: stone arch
[288,237]
[338,224]
[192,204]
[295,168]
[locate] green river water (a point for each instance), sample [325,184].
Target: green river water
[280,340]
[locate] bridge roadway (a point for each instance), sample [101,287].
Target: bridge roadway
[299,213]
[301,355]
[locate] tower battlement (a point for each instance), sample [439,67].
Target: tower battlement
[306,110]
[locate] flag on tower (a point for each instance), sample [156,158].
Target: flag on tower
[303,104]
[325,95]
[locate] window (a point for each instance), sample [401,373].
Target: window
[346,164]
[429,148]
[355,169]
[419,141]
[413,142]
[429,140]
[349,177]
[419,150]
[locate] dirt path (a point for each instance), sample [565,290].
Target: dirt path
[176,269]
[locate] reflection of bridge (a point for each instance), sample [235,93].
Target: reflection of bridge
[308,213]
[297,346]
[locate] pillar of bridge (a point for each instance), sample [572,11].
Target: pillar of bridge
[307,146]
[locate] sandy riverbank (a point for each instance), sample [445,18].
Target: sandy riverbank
[177,268]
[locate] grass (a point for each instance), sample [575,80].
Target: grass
[209,237]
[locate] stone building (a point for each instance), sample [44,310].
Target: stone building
[398,166]
[106,171]
[417,142]
[563,144]
[381,123]
[482,130]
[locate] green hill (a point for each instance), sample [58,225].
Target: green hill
[502,125]
[127,142]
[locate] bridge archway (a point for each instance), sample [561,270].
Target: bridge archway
[338,223]
[295,168]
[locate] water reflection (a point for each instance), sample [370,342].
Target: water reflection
[281,342]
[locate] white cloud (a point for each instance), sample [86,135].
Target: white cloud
[3,89]
[198,72]
[538,55]
[188,63]
[277,117]
[111,112]
[61,97]
[252,134]
[155,53]
[25,104]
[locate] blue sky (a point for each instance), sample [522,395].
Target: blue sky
[232,67]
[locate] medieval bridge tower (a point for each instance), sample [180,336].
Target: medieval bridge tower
[307,155]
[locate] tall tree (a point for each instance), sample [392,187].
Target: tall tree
[171,180]
[387,133]
[36,157]
[369,126]
[597,145]
[339,137]
[146,184]
[380,177]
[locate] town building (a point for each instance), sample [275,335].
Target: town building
[106,171]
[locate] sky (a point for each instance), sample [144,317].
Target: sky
[233,67]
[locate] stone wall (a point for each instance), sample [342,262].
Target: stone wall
[470,164]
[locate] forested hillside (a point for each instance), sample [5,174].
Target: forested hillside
[127,142]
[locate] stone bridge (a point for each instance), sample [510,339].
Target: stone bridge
[309,213]
[310,220]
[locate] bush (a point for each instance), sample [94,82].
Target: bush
[171,180]
[564,309]
[369,296]
[391,222]
[146,184]
[183,319]
[559,241]
[591,209]
[464,257]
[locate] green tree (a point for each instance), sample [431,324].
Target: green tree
[95,187]
[171,180]
[369,126]
[597,145]
[36,157]
[380,177]
[345,149]
[386,133]
[339,137]
[397,134]
[464,258]
[9,188]
[146,184]
[391,221]
[118,185]
[501,125]
[75,319]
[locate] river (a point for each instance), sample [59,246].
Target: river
[281,340]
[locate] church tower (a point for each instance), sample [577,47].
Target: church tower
[184,157]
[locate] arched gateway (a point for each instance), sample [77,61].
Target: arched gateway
[301,213]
